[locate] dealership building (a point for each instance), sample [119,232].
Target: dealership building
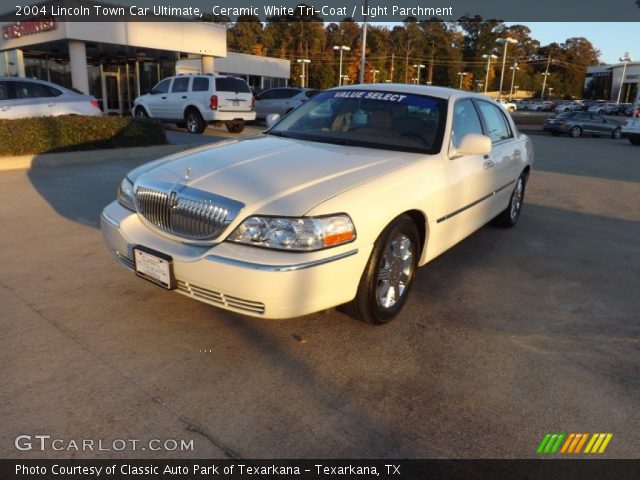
[612,83]
[117,61]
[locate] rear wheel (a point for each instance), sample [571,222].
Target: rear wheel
[575,132]
[555,134]
[388,276]
[635,140]
[235,127]
[194,121]
[510,215]
[617,134]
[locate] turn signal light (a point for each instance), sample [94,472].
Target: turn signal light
[213,102]
[338,238]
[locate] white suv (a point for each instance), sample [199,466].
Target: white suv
[194,101]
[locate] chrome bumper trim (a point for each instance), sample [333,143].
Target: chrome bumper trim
[110,220]
[280,268]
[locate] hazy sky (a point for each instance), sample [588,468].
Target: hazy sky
[612,39]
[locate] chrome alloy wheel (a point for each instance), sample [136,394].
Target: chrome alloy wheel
[516,200]
[192,122]
[395,271]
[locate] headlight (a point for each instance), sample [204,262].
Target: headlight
[298,234]
[125,194]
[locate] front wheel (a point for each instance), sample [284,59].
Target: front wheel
[194,121]
[389,274]
[510,215]
[140,112]
[575,132]
[235,127]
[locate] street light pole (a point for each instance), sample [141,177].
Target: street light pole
[374,72]
[345,49]
[486,80]
[625,58]
[462,75]
[506,42]
[419,67]
[305,62]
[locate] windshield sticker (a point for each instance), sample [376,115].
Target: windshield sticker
[380,96]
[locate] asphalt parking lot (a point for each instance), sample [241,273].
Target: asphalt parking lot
[508,336]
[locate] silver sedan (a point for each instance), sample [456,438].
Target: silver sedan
[27,97]
[281,100]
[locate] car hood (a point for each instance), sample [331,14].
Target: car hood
[275,176]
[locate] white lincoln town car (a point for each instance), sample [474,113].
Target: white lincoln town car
[335,204]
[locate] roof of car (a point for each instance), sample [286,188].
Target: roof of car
[438,92]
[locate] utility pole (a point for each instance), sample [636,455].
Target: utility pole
[363,58]
[406,61]
[545,74]
[393,55]
[430,81]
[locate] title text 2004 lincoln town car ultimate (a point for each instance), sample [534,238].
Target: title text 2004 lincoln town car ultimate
[337,203]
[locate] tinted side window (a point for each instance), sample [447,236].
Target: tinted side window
[163,86]
[497,126]
[465,120]
[200,84]
[231,84]
[267,95]
[34,90]
[180,85]
[5,88]
[287,93]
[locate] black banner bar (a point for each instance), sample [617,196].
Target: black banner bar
[321,10]
[582,469]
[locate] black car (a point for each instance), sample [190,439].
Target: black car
[577,123]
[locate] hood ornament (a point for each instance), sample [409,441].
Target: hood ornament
[187,172]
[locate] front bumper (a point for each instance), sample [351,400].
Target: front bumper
[253,281]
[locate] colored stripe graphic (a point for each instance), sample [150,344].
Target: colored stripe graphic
[572,443]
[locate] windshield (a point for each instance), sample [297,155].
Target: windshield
[374,119]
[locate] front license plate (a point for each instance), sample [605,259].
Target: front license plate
[154,266]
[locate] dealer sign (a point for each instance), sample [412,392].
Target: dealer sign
[22,29]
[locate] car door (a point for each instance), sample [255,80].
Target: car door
[503,163]
[7,100]
[158,100]
[264,102]
[601,125]
[33,99]
[285,100]
[177,97]
[470,182]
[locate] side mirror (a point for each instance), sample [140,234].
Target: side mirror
[473,144]
[272,119]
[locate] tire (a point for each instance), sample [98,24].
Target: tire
[617,134]
[510,215]
[575,132]
[194,121]
[373,303]
[140,112]
[555,134]
[235,126]
[635,140]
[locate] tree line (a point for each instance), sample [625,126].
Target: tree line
[446,49]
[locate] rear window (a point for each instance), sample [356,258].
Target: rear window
[200,84]
[231,84]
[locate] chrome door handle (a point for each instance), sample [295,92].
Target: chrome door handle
[51,105]
[488,164]
[4,109]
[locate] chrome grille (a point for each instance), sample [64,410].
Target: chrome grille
[184,211]
[217,298]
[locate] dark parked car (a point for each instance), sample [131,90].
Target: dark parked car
[577,123]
